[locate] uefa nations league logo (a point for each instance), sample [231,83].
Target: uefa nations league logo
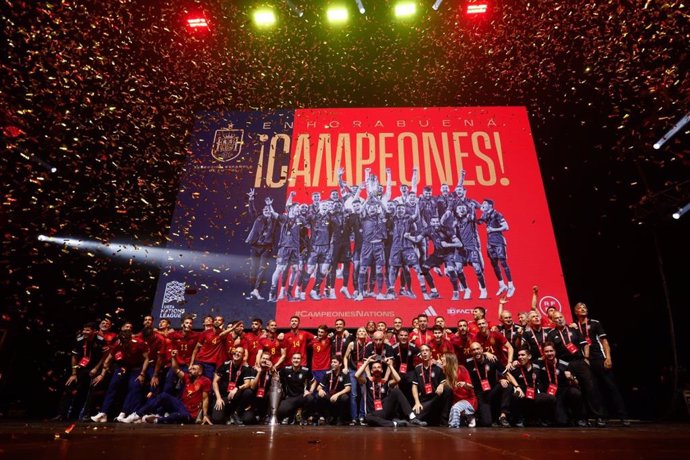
[227,143]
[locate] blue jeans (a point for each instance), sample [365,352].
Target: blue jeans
[177,412]
[356,404]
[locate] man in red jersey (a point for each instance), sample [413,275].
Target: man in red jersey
[422,335]
[184,341]
[251,341]
[461,341]
[495,345]
[130,356]
[187,408]
[321,353]
[477,314]
[440,345]
[296,341]
[210,349]
[104,330]
[270,346]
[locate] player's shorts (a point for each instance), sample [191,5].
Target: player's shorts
[372,253]
[320,255]
[497,251]
[400,257]
[287,256]
[436,259]
[341,252]
[467,256]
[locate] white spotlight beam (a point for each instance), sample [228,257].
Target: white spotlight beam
[683,121]
[678,214]
[154,256]
[360,6]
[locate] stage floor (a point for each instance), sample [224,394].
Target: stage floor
[37,441]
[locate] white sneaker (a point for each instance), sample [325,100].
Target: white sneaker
[425,296]
[151,418]
[501,289]
[314,295]
[256,295]
[380,296]
[511,291]
[471,422]
[339,273]
[302,296]
[345,292]
[456,296]
[100,417]
[121,418]
[331,295]
[483,294]
[359,298]
[281,294]
[468,294]
[132,418]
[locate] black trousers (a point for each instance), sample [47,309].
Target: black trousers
[569,406]
[542,407]
[590,393]
[340,409]
[435,411]
[394,406]
[236,405]
[492,403]
[257,411]
[606,383]
[74,396]
[288,406]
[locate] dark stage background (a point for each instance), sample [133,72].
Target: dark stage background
[107,91]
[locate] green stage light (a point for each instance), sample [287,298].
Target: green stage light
[405,9]
[264,17]
[337,14]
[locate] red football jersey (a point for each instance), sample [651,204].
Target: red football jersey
[193,393]
[212,348]
[252,343]
[296,343]
[184,344]
[272,348]
[321,354]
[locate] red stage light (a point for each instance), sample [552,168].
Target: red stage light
[197,23]
[477,8]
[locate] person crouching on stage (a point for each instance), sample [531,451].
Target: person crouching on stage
[192,404]
[298,386]
[464,402]
[529,399]
[431,398]
[232,385]
[383,403]
[334,394]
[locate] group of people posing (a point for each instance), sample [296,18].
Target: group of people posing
[374,243]
[538,371]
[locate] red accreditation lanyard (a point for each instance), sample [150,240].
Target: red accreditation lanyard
[378,404]
[585,333]
[553,383]
[333,384]
[339,349]
[426,381]
[486,386]
[232,384]
[403,362]
[529,391]
[261,391]
[569,345]
[534,334]
[86,357]
[359,356]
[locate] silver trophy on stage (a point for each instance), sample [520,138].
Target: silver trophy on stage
[274,400]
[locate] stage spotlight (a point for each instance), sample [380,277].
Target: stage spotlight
[683,121]
[405,9]
[360,6]
[337,14]
[437,5]
[264,17]
[477,8]
[295,9]
[678,214]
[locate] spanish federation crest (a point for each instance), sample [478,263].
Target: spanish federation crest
[227,143]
